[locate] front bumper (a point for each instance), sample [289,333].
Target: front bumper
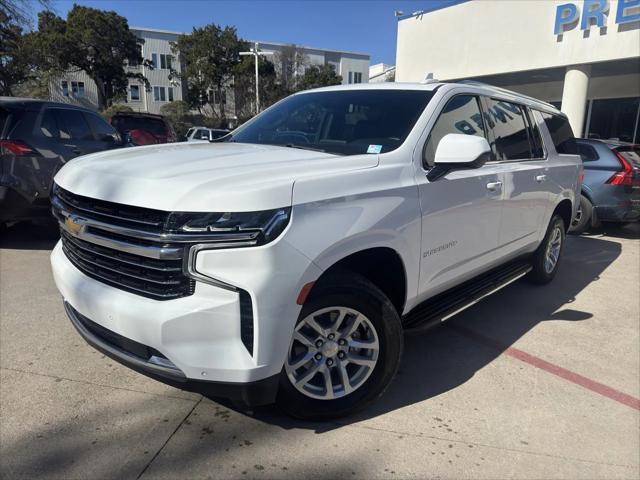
[132,355]
[200,334]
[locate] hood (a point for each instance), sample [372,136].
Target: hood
[201,176]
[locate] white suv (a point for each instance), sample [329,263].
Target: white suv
[284,262]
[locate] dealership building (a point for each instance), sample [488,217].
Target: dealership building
[583,56]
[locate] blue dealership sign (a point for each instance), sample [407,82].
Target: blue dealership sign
[594,12]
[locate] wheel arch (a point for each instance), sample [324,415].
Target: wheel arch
[565,210]
[382,266]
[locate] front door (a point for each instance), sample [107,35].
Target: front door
[461,211]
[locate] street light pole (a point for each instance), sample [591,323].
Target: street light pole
[256,55]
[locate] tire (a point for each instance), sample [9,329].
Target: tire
[582,220]
[544,268]
[366,316]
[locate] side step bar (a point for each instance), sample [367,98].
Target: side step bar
[436,310]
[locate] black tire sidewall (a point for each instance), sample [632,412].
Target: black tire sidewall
[359,294]
[585,220]
[538,273]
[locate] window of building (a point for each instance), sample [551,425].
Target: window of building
[614,119]
[154,60]
[170,92]
[159,94]
[72,124]
[65,88]
[77,89]
[461,114]
[135,92]
[165,61]
[133,62]
[561,133]
[357,77]
[510,132]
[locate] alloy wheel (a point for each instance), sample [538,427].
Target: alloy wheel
[332,353]
[552,253]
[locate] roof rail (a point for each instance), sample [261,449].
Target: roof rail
[505,90]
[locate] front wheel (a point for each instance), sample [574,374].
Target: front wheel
[344,351]
[546,259]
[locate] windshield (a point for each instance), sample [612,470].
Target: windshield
[344,122]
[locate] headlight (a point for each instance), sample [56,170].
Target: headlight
[256,227]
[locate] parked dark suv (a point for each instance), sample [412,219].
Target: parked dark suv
[37,137]
[143,128]
[611,185]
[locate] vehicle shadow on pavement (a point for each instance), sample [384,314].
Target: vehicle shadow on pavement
[630,231]
[447,357]
[30,236]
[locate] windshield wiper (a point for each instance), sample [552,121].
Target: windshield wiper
[304,147]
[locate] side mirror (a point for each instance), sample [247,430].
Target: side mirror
[459,152]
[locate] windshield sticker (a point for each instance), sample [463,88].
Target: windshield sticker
[374,149]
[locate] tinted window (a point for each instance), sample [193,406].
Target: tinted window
[461,114]
[511,139]
[587,152]
[49,125]
[72,124]
[100,127]
[537,148]
[345,122]
[561,133]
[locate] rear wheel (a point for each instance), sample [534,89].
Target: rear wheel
[546,259]
[582,221]
[344,352]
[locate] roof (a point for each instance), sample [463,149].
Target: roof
[40,101]
[432,8]
[277,44]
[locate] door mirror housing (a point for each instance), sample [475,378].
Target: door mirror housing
[459,152]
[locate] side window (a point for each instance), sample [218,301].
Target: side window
[101,128]
[510,132]
[49,125]
[537,147]
[73,125]
[461,114]
[587,152]
[561,133]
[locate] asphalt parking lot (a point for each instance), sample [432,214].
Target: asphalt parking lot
[533,382]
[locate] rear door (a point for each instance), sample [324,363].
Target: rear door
[106,137]
[461,211]
[517,149]
[75,134]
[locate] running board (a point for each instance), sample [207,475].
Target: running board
[436,310]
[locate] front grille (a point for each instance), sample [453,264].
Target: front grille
[152,269]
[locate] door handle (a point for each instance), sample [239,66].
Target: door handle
[493,186]
[540,178]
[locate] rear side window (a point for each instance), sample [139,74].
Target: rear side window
[49,124]
[510,130]
[462,115]
[72,124]
[100,127]
[561,133]
[151,125]
[587,152]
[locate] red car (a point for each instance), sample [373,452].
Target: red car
[143,128]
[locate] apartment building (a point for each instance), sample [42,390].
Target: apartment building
[76,87]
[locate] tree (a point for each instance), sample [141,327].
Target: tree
[115,108]
[319,76]
[290,60]
[178,115]
[209,56]
[271,88]
[96,41]
[19,11]
[14,67]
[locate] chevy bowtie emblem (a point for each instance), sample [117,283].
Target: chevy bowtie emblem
[72,225]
